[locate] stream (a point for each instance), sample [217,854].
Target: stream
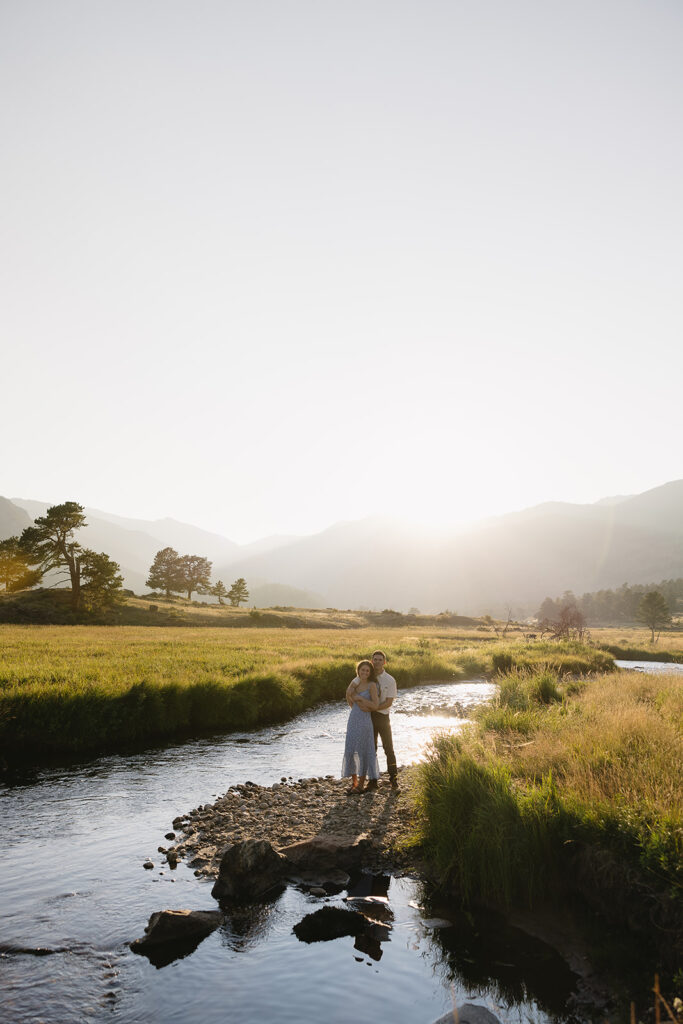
[74,894]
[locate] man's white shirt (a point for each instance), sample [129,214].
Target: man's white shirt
[386,687]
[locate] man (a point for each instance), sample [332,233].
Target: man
[386,691]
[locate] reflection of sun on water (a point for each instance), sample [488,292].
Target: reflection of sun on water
[422,712]
[419,732]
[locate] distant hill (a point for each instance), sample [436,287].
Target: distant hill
[12,519]
[513,560]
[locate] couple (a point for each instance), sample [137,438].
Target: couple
[370,696]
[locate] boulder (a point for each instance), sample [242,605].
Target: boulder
[468,1013]
[177,926]
[249,871]
[329,923]
[325,852]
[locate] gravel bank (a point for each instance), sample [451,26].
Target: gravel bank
[292,810]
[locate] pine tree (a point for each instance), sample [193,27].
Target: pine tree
[165,572]
[218,590]
[50,544]
[238,592]
[195,573]
[654,612]
[101,580]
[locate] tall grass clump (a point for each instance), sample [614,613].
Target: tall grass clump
[521,694]
[568,657]
[485,840]
[578,784]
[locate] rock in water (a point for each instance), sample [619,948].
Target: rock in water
[177,926]
[248,871]
[468,1013]
[325,852]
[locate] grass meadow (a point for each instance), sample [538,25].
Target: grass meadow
[92,688]
[566,784]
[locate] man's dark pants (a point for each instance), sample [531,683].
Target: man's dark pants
[381,725]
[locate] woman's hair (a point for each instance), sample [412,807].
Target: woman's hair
[372,677]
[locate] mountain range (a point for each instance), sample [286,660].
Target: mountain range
[511,561]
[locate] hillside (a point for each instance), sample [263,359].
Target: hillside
[513,560]
[12,519]
[53,607]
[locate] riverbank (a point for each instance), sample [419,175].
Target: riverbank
[293,810]
[90,689]
[566,789]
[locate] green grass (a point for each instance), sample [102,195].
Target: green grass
[81,688]
[559,784]
[625,652]
[567,657]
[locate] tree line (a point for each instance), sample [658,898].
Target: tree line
[188,574]
[613,607]
[95,579]
[650,604]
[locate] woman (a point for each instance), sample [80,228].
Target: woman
[360,756]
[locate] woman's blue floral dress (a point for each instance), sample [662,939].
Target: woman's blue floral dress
[360,756]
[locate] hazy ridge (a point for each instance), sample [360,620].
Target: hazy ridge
[514,560]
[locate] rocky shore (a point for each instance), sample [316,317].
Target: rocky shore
[310,833]
[294,810]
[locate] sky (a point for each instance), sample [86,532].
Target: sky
[271,264]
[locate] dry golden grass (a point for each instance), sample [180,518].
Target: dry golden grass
[639,637]
[577,782]
[619,740]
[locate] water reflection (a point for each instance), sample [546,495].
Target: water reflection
[247,926]
[489,957]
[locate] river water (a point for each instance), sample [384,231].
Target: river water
[74,894]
